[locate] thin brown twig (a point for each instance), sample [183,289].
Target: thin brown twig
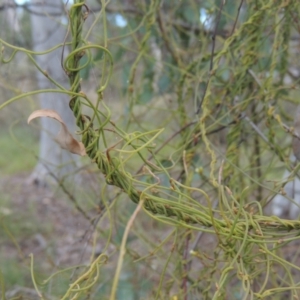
[186,266]
[237,16]
[29,7]
[212,55]
[66,191]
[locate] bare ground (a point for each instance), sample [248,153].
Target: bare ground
[43,222]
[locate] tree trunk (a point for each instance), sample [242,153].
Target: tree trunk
[48,31]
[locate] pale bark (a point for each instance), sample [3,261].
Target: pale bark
[48,31]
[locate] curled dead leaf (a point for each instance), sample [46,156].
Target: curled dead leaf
[64,138]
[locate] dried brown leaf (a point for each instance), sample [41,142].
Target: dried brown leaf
[64,138]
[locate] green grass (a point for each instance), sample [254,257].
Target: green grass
[18,146]
[13,272]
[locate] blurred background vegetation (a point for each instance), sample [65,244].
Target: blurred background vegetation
[221,79]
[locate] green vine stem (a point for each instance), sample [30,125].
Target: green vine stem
[112,167]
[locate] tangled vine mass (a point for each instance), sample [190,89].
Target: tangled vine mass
[211,165]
